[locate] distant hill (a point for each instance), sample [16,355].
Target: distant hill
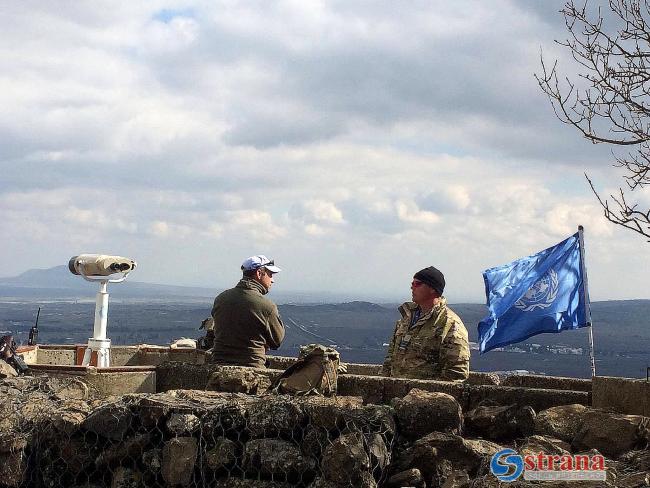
[59,283]
[358,329]
[57,277]
[621,337]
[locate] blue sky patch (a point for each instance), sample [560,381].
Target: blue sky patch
[167,15]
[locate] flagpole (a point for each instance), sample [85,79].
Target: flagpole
[585,298]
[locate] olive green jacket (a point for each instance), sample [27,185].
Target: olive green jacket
[436,347]
[246,325]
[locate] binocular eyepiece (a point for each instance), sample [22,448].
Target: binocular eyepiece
[100,265]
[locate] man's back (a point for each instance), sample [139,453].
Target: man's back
[246,325]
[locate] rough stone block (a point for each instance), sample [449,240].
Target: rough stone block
[612,434]
[276,456]
[14,466]
[330,412]
[562,422]
[345,460]
[152,460]
[6,370]
[183,423]
[112,421]
[538,443]
[131,448]
[440,450]
[500,422]
[126,478]
[238,380]
[273,415]
[222,454]
[410,477]
[178,460]
[420,413]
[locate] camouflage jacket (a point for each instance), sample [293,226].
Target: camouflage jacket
[436,347]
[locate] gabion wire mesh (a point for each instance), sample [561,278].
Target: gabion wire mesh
[57,433]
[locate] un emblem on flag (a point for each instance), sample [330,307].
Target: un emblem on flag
[541,295]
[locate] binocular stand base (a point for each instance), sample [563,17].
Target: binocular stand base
[98,353]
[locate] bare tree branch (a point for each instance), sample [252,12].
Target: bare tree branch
[625,216]
[611,102]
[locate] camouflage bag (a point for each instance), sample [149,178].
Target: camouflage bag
[314,373]
[207,341]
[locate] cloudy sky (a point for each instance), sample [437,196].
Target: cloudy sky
[354,142]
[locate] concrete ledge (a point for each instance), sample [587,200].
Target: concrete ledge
[623,395]
[475,377]
[549,382]
[188,376]
[380,390]
[141,355]
[90,369]
[105,381]
[29,353]
[59,355]
[152,355]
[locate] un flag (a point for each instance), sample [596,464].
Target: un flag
[545,292]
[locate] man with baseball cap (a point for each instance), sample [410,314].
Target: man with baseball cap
[246,323]
[430,341]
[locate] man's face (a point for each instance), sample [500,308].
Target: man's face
[420,292]
[265,277]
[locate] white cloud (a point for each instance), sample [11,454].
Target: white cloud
[257,224]
[314,230]
[458,195]
[320,211]
[308,130]
[561,219]
[170,37]
[408,211]
[159,228]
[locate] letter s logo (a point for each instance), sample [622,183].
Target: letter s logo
[505,461]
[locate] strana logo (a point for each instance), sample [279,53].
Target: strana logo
[508,466]
[541,295]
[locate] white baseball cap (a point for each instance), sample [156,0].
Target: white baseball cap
[259,261]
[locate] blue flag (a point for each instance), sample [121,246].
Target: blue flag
[545,292]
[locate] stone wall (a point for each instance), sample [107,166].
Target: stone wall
[381,390]
[623,395]
[59,432]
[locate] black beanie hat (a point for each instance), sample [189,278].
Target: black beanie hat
[432,277]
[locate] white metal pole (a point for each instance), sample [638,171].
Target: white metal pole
[101,312]
[591,351]
[99,344]
[585,298]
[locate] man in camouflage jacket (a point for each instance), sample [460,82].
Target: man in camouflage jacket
[430,341]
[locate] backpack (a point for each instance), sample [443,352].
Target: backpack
[207,341]
[314,373]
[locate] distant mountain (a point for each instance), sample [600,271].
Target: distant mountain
[57,277]
[58,282]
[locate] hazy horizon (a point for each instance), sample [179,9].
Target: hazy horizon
[277,294]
